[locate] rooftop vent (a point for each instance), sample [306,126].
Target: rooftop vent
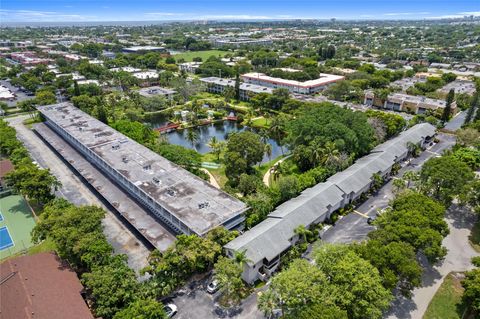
[171,191]
[115,147]
[203,205]
[124,159]
[147,167]
[80,128]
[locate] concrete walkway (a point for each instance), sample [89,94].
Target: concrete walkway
[213,181]
[266,177]
[458,259]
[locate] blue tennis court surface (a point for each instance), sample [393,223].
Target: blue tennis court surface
[5,239]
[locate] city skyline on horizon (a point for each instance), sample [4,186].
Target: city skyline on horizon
[187,10]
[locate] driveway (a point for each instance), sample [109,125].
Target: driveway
[353,227]
[78,193]
[456,122]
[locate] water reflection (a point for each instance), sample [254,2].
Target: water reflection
[220,130]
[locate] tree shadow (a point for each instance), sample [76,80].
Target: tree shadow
[461,217]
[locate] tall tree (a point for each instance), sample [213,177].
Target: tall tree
[358,285]
[228,275]
[443,178]
[447,111]
[237,87]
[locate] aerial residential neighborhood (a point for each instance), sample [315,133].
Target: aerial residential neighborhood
[246,160]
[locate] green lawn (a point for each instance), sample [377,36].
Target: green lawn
[446,304]
[188,56]
[18,218]
[474,237]
[261,122]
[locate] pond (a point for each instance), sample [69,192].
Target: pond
[220,130]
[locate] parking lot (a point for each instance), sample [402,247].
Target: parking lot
[354,227]
[19,94]
[194,302]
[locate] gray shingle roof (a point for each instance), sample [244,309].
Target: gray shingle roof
[272,236]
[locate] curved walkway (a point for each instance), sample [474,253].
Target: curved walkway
[266,177]
[213,181]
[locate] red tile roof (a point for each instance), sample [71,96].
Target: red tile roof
[40,286]
[5,167]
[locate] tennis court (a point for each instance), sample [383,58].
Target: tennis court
[16,223]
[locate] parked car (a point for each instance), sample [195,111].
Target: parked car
[213,287]
[170,310]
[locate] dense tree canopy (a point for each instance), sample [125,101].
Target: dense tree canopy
[315,126]
[443,177]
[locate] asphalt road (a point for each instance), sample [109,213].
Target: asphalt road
[457,122]
[75,191]
[353,227]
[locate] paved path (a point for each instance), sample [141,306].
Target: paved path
[456,122]
[458,259]
[213,181]
[78,193]
[266,177]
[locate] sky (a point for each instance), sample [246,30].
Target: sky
[158,10]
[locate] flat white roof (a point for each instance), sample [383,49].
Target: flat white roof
[322,80]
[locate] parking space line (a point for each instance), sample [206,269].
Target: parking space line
[361,214]
[431,152]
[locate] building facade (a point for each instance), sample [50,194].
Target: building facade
[306,87]
[218,85]
[407,103]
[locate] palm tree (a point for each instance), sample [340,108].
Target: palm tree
[192,137]
[268,303]
[330,154]
[398,185]
[216,146]
[278,170]
[302,232]
[276,130]
[410,176]
[241,258]
[268,151]
[249,116]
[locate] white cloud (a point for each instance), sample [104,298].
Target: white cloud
[165,14]
[393,14]
[458,15]
[40,16]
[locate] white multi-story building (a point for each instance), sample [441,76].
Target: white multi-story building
[218,85]
[306,87]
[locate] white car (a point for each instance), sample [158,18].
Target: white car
[213,287]
[170,310]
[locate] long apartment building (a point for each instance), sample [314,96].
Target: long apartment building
[219,85]
[407,103]
[306,87]
[179,199]
[265,243]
